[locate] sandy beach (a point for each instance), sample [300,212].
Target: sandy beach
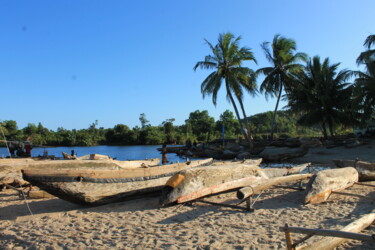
[141,224]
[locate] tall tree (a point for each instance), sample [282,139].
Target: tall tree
[364,96]
[226,60]
[285,63]
[321,95]
[369,54]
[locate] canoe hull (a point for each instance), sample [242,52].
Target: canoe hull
[322,184]
[199,182]
[95,187]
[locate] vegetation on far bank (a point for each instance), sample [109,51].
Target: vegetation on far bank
[200,127]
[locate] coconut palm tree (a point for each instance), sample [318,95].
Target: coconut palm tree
[285,63]
[364,92]
[369,54]
[226,60]
[321,95]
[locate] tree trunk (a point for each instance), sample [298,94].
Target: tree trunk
[275,112]
[236,111]
[247,124]
[324,130]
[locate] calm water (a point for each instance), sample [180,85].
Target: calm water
[118,152]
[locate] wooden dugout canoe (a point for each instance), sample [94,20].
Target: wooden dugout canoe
[100,186]
[10,169]
[195,183]
[366,170]
[322,184]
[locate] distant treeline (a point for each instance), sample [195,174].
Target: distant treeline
[199,127]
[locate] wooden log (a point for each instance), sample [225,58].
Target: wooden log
[283,171]
[230,185]
[288,238]
[258,187]
[331,242]
[324,182]
[39,194]
[331,233]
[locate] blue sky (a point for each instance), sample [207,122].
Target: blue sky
[69,63]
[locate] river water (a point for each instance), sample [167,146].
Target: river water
[119,152]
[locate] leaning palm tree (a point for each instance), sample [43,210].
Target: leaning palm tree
[226,60]
[321,95]
[285,63]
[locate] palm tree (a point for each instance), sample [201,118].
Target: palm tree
[367,55]
[285,63]
[365,91]
[321,95]
[365,81]
[226,60]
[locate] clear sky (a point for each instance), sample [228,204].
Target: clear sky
[67,63]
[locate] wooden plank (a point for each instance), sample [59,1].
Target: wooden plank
[288,238]
[331,242]
[230,185]
[259,187]
[332,233]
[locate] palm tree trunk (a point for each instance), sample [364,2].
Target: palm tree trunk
[324,131]
[275,112]
[247,124]
[236,111]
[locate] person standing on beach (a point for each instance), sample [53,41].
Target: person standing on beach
[164,157]
[28,148]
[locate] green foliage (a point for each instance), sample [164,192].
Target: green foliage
[285,63]
[230,123]
[321,96]
[201,124]
[226,60]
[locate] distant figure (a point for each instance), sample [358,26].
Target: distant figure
[11,149]
[28,148]
[72,153]
[164,157]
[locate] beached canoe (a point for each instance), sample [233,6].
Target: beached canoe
[10,169]
[195,183]
[366,170]
[100,186]
[322,184]
[275,154]
[257,161]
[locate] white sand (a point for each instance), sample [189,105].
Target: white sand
[57,224]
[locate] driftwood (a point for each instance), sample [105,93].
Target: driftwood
[337,237]
[256,188]
[324,182]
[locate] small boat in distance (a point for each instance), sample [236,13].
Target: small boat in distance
[100,186]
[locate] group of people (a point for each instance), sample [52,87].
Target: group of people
[20,149]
